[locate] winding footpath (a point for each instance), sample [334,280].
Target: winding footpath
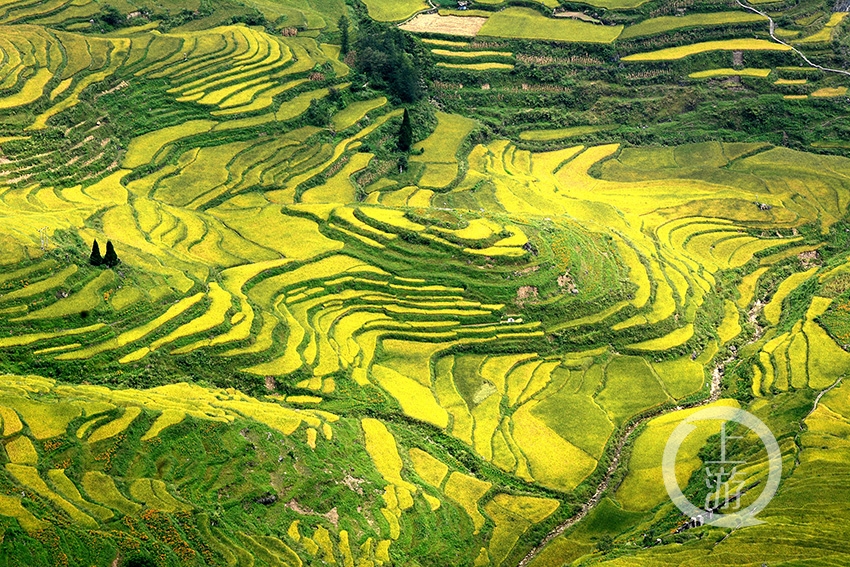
[788,45]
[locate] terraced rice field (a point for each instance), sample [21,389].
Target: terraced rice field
[394,10]
[665,24]
[562,133]
[673,53]
[826,33]
[526,23]
[727,72]
[477,66]
[451,353]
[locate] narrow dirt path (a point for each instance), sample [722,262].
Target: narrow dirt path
[794,49]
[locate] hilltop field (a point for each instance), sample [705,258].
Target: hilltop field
[319,346]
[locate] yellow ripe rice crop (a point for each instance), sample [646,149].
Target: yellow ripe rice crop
[478,229]
[86,299]
[525,23]
[394,10]
[168,418]
[730,327]
[487,416]
[561,133]
[21,451]
[773,309]
[116,426]
[532,508]
[509,528]
[827,361]
[266,98]
[747,287]
[431,469]
[220,304]
[495,369]
[443,144]
[489,66]
[144,148]
[513,516]
[637,274]
[154,494]
[381,446]
[664,24]
[673,339]
[355,112]
[682,376]
[101,488]
[728,72]
[672,53]
[31,91]
[11,422]
[29,477]
[829,92]
[797,359]
[46,420]
[466,54]
[138,333]
[445,43]
[451,400]
[554,462]
[10,506]
[339,188]
[298,105]
[275,416]
[440,149]
[68,490]
[643,487]
[41,286]
[392,217]
[828,30]
[467,491]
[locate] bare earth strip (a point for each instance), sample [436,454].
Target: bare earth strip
[448,25]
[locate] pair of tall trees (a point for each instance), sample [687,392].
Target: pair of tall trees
[110,259]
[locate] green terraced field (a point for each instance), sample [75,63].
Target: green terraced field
[668,23]
[529,24]
[331,339]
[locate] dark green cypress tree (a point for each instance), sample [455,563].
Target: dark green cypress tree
[343,34]
[405,133]
[95,259]
[110,258]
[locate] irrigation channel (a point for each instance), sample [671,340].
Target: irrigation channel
[788,45]
[713,396]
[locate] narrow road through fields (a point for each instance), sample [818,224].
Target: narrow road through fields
[714,395]
[794,49]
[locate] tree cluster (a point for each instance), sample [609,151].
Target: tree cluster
[110,259]
[391,61]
